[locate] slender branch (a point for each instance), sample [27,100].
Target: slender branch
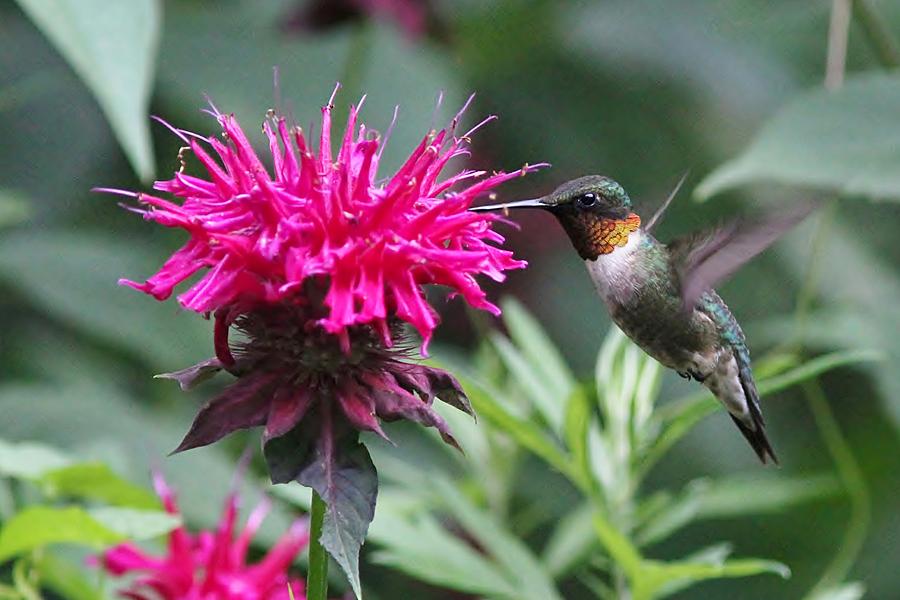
[317,578]
[878,33]
[838,32]
[854,483]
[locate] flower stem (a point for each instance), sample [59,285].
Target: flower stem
[317,578]
[854,483]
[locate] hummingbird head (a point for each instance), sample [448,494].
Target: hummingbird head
[594,210]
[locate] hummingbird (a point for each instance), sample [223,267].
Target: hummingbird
[661,295]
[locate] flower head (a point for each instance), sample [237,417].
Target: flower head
[371,244]
[209,565]
[319,262]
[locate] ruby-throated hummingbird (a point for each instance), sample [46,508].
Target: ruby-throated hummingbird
[661,295]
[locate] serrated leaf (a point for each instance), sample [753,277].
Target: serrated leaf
[29,460]
[844,140]
[112,47]
[326,456]
[96,481]
[135,524]
[349,487]
[38,526]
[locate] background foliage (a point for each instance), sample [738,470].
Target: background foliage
[730,90]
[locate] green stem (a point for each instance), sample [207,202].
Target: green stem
[813,274]
[854,483]
[317,578]
[878,33]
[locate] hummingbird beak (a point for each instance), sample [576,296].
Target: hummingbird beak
[533,203]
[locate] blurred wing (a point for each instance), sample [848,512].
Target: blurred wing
[704,259]
[651,224]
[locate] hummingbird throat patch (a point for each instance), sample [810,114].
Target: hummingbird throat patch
[610,234]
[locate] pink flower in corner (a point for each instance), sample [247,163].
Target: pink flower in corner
[209,565]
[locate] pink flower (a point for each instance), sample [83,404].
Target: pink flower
[319,262]
[370,244]
[210,565]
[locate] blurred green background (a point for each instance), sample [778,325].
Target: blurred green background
[640,90]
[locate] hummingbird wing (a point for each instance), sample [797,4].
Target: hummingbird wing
[651,224]
[703,259]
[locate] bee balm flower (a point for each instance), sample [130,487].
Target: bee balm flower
[319,262]
[209,565]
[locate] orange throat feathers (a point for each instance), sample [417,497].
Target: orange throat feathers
[608,234]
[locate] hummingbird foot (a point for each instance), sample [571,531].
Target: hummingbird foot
[692,374]
[697,376]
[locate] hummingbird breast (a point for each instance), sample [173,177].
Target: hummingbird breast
[640,289]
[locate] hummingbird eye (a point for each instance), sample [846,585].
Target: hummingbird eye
[586,200]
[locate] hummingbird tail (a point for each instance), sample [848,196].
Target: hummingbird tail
[758,440]
[755,429]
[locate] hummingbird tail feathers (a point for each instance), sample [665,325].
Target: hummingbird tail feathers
[755,430]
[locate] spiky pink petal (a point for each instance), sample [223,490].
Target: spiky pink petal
[209,565]
[259,234]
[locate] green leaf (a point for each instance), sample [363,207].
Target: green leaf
[847,591]
[135,524]
[539,392]
[522,431]
[733,497]
[73,276]
[119,426]
[570,542]
[519,563]
[294,493]
[679,417]
[764,494]
[38,526]
[112,47]
[28,460]
[24,584]
[577,426]
[328,457]
[64,578]
[662,579]
[538,348]
[14,208]
[96,481]
[418,546]
[845,140]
